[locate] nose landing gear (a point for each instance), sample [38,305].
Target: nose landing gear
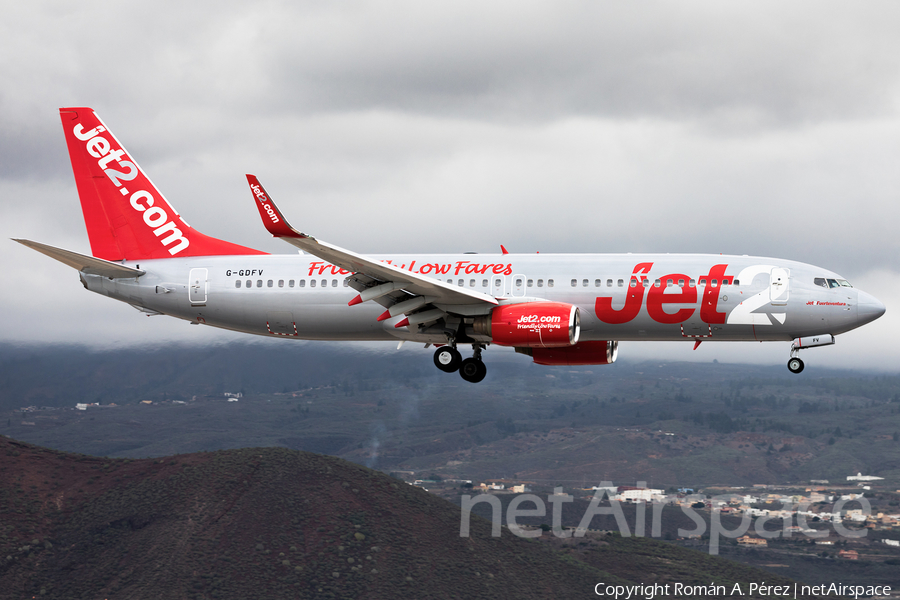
[448,360]
[795,365]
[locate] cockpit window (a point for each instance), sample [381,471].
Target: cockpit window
[832,283]
[820,281]
[844,283]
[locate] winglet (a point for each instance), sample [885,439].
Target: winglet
[503,249]
[271,216]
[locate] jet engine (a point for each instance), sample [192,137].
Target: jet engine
[583,353]
[531,325]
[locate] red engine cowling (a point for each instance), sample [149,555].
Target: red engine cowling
[532,325]
[584,353]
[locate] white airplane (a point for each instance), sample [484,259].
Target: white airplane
[560,309]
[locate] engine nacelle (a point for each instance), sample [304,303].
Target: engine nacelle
[584,353]
[531,325]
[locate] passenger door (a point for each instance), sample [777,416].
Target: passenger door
[779,286]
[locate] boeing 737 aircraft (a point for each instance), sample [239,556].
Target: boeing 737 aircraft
[560,309]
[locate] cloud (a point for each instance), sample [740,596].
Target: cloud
[765,129]
[766,62]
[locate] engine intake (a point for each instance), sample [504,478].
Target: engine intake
[531,325]
[584,353]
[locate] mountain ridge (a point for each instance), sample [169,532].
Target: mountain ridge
[274,522]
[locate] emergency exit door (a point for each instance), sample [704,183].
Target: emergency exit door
[198,286]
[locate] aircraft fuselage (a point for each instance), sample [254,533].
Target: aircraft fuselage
[620,296]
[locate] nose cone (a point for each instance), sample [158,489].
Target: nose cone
[868,308]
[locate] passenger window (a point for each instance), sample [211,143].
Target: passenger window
[715,283]
[334,283]
[737,282]
[702,281]
[460,283]
[574,282]
[598,282]
[645,282]
[725,282]
[621,283]
[290,283]
[531,283]
[471,283]
[248,283]
[301,283]
[540,283]
[346,283]
[633,282]
[259,283]
[312,283]
[237,283]
[324,283]
[681,283]
[518,283]
[692,283]
[584,283]
[549,283]
[820,281]
[609,283]
[668,283]
[484,283]
[269,283]
[281,283]
[657,283]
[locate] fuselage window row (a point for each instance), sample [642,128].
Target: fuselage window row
[301,283]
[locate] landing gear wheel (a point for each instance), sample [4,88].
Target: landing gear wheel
[447,359]
[472,370]
[795,365]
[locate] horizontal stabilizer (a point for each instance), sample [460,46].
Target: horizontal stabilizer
[86,264]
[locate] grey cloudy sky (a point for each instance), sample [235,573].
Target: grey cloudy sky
[756,128]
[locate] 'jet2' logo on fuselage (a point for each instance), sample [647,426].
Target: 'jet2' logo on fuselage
[659,296]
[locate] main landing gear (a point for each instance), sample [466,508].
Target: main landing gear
[448,360]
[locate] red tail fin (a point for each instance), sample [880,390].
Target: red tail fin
[127,218]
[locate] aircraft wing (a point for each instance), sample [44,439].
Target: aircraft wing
[401,291]
[86,264]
